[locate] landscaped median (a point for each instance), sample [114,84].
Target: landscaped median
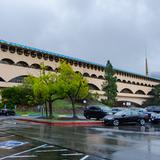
[61,122]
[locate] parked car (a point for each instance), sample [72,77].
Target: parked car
[97,111]
[155,109]
[117,109]
[7,112]
[155,117]
[144,111]
[126,116]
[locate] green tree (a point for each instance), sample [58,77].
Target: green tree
[155,100]
[45,87]
[109,86]
[21,95]
[73,85]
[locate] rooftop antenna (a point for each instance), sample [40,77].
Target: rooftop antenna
[146,62]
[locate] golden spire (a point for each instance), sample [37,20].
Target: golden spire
[146,62]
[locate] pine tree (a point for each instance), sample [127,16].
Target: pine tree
[109,86]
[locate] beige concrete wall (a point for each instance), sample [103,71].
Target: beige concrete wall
[8,72]
[139,99]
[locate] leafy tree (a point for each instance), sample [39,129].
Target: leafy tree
[109,86]
[155,100]
[45,88]
[19,95]
[73,85]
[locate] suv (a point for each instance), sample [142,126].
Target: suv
[7,112]
[97,112]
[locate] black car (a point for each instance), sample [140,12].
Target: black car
[126,116]
[144,111]
[97,112]
[155,109]
[155,117]
[117,109]
[7,112]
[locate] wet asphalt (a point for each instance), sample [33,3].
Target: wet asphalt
[130,142]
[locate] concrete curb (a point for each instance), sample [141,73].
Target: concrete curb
[63,123]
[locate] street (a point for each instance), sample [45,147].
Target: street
[84,143]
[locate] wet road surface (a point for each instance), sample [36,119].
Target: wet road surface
[91,143]
[33,149]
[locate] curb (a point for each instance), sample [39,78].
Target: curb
[63,123]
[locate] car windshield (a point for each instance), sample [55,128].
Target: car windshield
[122,112]
[106,109]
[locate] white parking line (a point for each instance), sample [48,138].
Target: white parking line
[16,154]
[73,154]
[25,156]
[48,146]
[85,157]
[53,150]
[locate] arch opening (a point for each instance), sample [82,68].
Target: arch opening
[22,63]
[18,79]
[140,92]
[129,82]
[4,48]
[118,80]
[100,77]
[1,79]
[93,76]
[86,75]
[49,68]
[35,66]
[78,72]
[126,90]
[133,82]
[93,87]
[7,61]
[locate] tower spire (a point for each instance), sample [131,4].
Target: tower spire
[146,62]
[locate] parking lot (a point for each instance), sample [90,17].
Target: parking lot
[81,143]
[19,147]
[35,150]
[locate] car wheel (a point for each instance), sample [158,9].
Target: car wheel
[116,122]
[142,122]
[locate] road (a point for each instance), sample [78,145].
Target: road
[83,143]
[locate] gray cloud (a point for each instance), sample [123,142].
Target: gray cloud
[95,30]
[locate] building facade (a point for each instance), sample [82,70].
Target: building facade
[18,61]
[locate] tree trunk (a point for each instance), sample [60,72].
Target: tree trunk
[45,103]
[73,109]
[50,109]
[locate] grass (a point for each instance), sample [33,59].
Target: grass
[64,104]
[27,112]
[60,107]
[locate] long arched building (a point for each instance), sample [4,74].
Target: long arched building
[17,61]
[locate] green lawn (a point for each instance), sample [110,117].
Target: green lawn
[62,107]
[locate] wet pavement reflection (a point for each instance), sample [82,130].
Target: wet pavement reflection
[114,143]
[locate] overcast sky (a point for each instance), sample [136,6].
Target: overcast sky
[94,30]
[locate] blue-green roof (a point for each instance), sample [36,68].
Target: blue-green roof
[68,57]
[48,52]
